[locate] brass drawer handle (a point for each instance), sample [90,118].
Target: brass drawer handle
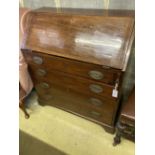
[96,88]
[37,60]
[95,114]
[41,72]
[97,75]
[45,85]
[96,101]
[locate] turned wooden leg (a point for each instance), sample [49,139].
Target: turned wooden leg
[22,107]
[117,138]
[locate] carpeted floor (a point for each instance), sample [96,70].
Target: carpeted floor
[51,131]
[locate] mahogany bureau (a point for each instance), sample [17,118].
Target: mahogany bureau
[77,58]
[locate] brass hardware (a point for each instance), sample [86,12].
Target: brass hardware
[41,72]
[38,60]
[95,114]
[96,88]
[96,101]
[44,85]
[97,75]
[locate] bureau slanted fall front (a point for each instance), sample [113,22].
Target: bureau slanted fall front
[77,58]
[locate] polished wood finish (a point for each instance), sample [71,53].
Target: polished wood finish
[69,66]
[72,82]
[65,99]
[105,104]
[102,40]
[76,59]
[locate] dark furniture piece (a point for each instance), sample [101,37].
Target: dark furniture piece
[77,58]
[126,124]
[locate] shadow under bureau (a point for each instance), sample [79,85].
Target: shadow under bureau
[77,58]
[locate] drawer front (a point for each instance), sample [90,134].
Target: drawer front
[77,103]
[75,83]
[93,101]
[87,70]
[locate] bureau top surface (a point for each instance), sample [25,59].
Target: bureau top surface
[101,37]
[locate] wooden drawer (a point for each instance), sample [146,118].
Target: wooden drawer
[75,83]
[94,101]
[87,70]
[76,103]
